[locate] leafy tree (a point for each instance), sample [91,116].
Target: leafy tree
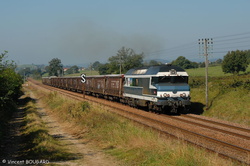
[218,61]
[24,72]
[55,67]
[248,56]
[202,64]
[36,73]
[96,65]
[73,69]
[10,85]
[6,63]
[46,69]
[182,62]
[103,69]
[234,62]
[125,59]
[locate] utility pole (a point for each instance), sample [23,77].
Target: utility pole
[120,60]
[90,68]
[206,45]
[24,75]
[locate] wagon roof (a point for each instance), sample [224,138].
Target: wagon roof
[152,70]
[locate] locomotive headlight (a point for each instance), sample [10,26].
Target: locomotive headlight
[166,95]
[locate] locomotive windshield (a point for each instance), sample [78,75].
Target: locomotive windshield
[168,79]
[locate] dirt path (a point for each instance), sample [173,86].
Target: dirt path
[90,155]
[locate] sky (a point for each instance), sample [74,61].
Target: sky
[84,31]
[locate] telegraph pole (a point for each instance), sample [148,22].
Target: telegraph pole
[206,44]
[120,59]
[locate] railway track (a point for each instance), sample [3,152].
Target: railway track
[230,129]
[227,140]
[244,129]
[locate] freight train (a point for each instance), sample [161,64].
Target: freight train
[161,88]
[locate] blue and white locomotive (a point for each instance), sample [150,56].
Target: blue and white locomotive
[161,88]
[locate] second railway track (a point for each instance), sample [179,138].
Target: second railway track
[231,144]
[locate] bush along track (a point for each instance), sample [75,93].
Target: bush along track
[10,91]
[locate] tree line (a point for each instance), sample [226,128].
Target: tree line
[233,62]
[127,58]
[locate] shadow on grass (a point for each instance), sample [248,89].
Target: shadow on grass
[197,108]
[41,145]
[11,140]
[22,102]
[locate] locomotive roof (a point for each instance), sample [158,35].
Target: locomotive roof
[152,70]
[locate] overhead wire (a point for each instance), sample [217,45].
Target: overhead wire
[221,45]
[173,51]
[240,41]
[239,34]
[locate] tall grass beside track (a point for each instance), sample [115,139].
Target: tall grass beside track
[131,143]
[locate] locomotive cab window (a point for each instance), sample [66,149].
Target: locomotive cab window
[169,79]
[135,82]
[180,79]
[131,81]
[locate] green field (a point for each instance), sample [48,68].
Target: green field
[213,71]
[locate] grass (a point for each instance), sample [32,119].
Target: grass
[228,97]
[232,106]
[228,94]
[132,144]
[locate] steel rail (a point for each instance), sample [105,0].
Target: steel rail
[219,123]
[210,127]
